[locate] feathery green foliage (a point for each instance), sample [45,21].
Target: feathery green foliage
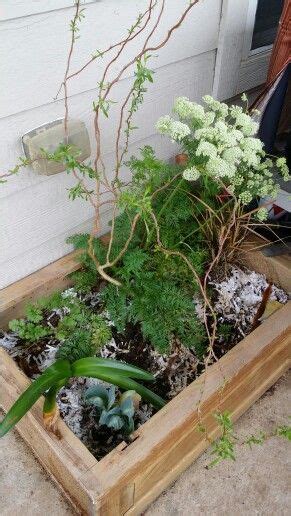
[84,339]
[82,332]
[224,447]
[255,439]
[156,289]
[78,345]
[30,329]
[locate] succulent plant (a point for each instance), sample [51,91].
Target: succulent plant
[116,413]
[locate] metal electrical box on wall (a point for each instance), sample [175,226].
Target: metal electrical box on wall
[49,137]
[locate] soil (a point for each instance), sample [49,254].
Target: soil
[236,301]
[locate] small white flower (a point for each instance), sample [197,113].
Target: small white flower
[208,133]
[173,128]
[283,167]
[218,167]
[250,143]
[236,134]
[191,174]
[219,107]
[247,125]
[245,197]
[178,131]
[221,126]
[262,214]
[206,149]
[238,180]
[251,158]
[209,118]
[232,155]
[234,111]
[188,110]
[226,139]
[164,124]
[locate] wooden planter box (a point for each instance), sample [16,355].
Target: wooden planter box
[129,478]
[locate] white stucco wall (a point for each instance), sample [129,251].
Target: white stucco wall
[35,213]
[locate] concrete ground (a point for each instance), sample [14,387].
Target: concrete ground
[257,483]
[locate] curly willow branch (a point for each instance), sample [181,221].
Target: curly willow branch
[113,188]
[137,30]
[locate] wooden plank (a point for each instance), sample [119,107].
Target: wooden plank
[191,445]
[131,476]
[276,268]
[51,278]
[42,283]
[248,370]
[65,457]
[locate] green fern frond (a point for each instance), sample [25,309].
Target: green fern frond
[78,346]
[100,332]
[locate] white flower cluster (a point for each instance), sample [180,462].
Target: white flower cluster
[206,149]
[163,125]
[218,107]
[218,167]
[179,131]
[191,174]
[232,155]
[221,143]
[173,128]
[262,214]
[187,110]
[283,167]
[245,123]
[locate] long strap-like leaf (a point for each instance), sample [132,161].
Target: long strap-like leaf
[128,384]
[61,369]
[84,366]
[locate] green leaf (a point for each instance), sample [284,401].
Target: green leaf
[98,396]
[106,414]
[107,370]
[116,422]
[33,314]
[91,366]
[128,384]
[284,431]
[127,407]
[58,371]
[111,396]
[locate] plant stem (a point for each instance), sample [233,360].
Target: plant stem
[162,210]
[50,408]
[204,223]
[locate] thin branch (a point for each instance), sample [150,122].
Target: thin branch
[120,43]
